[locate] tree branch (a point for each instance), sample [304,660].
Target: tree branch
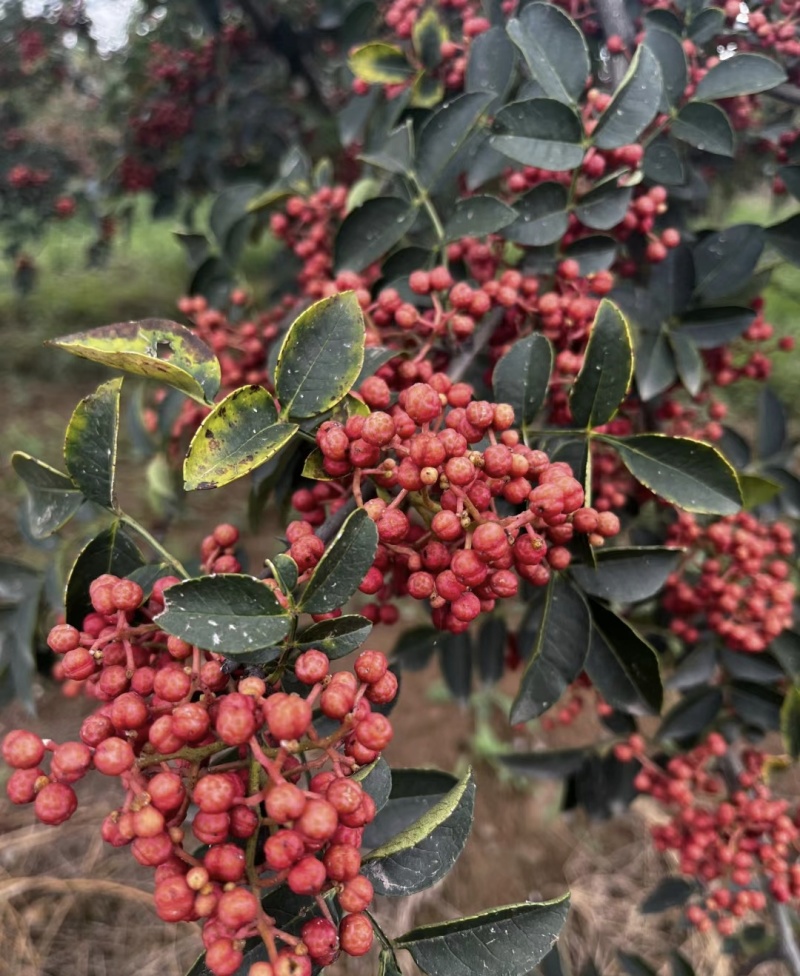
[615,21]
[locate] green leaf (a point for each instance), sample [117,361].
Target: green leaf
[111,551]
[90,445]
[380,64]
[371,230]
[634,965]
[594,253]
[337,637]
[607,369]
[427,36]
[786,648]
[757,706]
[771,424]
[634,105]
[742,74]
[543,217]
[706,25]
[688,362]
[20,595]
[655,364]
[521,377]
[477,216]
[623,666]
[506,941]
[376,779]
[52,498]
[285,571]
[455,663]
[395,152]
[785,238]
[424,852]
[387,964]
[545,764]
[704,126]
[604,206]
[540,132]
[662,163]
[321,356]
[791,178]
[680,965]
[627,575]
[671,59]
[445,132]
[668,893]
[712,327]
[790,722]
[240,434]
[757,490]
[554,49]
[562,630]
[414,793]
[155,348]
[683,471]
[725,260]
[228,613]
[491,63]
[491,649]
[693,713]
[343,566]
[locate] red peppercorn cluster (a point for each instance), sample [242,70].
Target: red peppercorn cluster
[728,830]
[441,534]
[734,580]
[579,696]
[280,806]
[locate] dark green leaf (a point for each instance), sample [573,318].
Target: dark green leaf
[706,25]
[477,216]
[771,424]
[380,64]
[424,852]
[147,575]
[376,779]
[604,206]
[662,164]
[491,650]
[686,472]
[20,593]
[321,356]
[762,668]
[663,19]
[704,126]
[688,362]
[560,645]
[634,104]
[655,364]
[790,722]
[285,571]
[554,49]
[415,647]
[712,327]
[546,764]
[540,132]
[522,376]
[627,575]
[681,966]
[343,566]
[695,668]
[756,705]
[90,445]
[336,638]
[594,253]
[394,154]
[427,36]
[757,490]
[506,941]
[786,648]
[623,666]
[671,59]
[668,893]
[634,965]
[52,498]
[240,434]
[791,179]
[445,132]
[111,551]
[542,216]
[693,713]
[725,260]
[785,238]
[371,230]
[374,358]
[491,63]
[230,219]
[155,348]
[607,369]
[228,613]
[742,74]
[414,792]
[455,661]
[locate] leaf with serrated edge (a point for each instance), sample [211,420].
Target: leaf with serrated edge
[52,497]
[343,566]
[228,613]
[672,467]
[321,356]
[90,445]
[134,347]
[506,941]
[240,434]
[425,851]
[607,368]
